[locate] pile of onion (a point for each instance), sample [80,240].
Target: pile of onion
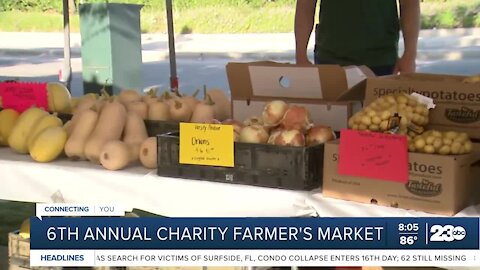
[282,124]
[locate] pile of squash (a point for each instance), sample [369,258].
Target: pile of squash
[111,130]
[169,106]
[104,129]
[35,132]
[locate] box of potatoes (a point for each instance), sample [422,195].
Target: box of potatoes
[440,162]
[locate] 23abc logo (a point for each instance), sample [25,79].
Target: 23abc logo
[447,233]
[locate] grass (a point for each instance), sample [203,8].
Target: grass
[272,17]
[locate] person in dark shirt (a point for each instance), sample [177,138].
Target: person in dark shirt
[359,32]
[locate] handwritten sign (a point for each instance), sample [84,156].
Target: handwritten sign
[373,155]
[206,144]
[21,96]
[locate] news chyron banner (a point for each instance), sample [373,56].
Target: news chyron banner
[101,237]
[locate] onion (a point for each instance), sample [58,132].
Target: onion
[298,118]
[292,137]
[237,127]
[273,136]
[273,112]
[253,121]
[253,134]
[319,135]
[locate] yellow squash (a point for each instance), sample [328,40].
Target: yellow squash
[49,144]
[58,98]
[8,118]
[45,122]
[18,139]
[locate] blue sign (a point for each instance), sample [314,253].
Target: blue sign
[96,233]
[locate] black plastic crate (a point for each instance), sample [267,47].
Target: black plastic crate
[65,117]
[155,128]
[295,168]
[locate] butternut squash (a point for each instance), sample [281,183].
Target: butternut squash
[85,104]
[129,95]
[68,127]
[109,127]
[222,106]
[19,136]
[148,153]
[151,96]
[45,122]
[75,145]
[192,100]
[134,134]
[204,111]
[158,111]
[115,155]
[138,107]
[8,118]
[48,145]
[180,111]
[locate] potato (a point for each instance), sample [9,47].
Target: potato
[455,148]
[376,120]
[437,143]
[362,127]
[419,109]
[451,135]
[411,147]
[379,115]
[429,149]
[366,120]
[447,141]
[374,127]
[419,143]
[430,139]
[385,115]
[444,150]
[468,146]
[402,99]
[384,125]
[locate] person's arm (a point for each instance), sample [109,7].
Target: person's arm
[304,21]
[410,24]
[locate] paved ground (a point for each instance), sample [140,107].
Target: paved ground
[201,59]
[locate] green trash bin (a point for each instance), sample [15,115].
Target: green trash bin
[111,47]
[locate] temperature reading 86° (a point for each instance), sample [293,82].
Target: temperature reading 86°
[408,240]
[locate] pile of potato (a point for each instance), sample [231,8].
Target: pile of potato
[441,142]
[380,115]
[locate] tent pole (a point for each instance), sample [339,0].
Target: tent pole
[171,47]
[66,75]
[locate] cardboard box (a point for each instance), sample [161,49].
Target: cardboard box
[437,184]
[457,103]
[319,88]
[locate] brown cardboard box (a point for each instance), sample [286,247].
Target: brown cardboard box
[438,184]
[457,103]
[318,88]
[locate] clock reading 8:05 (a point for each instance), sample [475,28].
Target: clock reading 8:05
[409,227]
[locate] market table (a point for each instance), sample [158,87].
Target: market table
[82,182]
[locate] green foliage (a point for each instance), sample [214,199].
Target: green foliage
[217,16]
[31,5]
